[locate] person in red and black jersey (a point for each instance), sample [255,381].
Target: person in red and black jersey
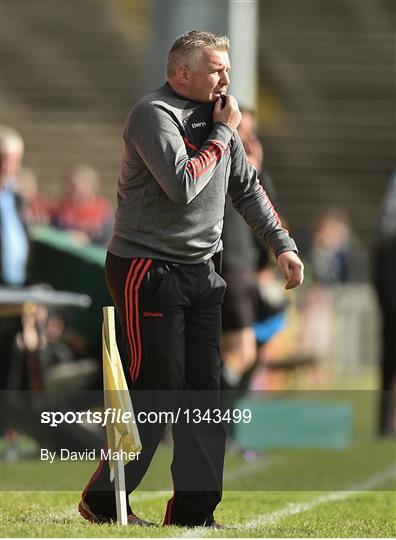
[81,211]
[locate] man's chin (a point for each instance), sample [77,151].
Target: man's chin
[212,98]
[208,100]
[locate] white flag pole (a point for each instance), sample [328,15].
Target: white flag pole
[119,473]
[120,493]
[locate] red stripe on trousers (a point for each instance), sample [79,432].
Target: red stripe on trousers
[126,296]
[135,370]
[168,513]
[129,308]
[97,472]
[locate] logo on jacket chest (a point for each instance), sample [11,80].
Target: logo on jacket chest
[198,124]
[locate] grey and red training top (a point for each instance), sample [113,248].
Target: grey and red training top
[176,169]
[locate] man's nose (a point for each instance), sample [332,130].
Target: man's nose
[225,78]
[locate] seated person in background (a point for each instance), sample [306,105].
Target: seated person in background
[38,210]
[81,211]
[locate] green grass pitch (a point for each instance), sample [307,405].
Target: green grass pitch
[290,493]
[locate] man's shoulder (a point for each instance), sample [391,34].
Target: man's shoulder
[153,110]
[160,97]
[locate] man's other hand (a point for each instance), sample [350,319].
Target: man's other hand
[292,269]
[229,114]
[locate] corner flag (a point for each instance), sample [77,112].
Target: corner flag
[122,437]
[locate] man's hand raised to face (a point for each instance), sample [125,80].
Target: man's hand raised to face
[292,269]
[229,114]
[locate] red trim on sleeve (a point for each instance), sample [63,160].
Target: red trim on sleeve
[278,220]
[197,165]
[190,144]
[201,163]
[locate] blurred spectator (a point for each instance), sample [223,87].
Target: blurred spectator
[14,240]
[242,251]
[39,346]
[331,315]
[239,306]
[247,130]
[37,209]
[81,211]
[45,373]
[385,280]
[337,255]
[248,310]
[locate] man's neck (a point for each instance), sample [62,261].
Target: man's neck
[177,91]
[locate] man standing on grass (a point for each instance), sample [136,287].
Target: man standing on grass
[182,154]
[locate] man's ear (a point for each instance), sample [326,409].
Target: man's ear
[182,74]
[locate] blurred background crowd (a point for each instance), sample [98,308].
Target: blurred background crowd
[318,124]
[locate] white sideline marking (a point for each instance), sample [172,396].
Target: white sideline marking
[297,508]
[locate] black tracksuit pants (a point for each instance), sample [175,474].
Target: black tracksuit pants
[171,321]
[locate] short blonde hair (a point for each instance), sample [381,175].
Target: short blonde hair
[10,141]
[186,48]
